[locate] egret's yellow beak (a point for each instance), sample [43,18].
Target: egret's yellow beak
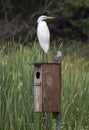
[49,17]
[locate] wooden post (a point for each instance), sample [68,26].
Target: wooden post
[56,115]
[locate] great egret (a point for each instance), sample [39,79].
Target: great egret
[43,33]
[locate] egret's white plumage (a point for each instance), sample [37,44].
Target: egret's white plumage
[43,33]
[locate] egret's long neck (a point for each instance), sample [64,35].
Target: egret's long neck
[40,20]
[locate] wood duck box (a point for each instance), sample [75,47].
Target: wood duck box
[47,87]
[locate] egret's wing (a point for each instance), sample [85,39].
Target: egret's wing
[43,35]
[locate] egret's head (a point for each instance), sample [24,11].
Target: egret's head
[43,17]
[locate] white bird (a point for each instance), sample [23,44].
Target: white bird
[43,33]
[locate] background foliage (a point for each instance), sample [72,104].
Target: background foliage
[72,18]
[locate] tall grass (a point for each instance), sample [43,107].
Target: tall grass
[17,90]
[75,93]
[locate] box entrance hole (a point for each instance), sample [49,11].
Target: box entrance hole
[37,75]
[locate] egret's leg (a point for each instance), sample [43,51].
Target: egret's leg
[46,57]
[43,55]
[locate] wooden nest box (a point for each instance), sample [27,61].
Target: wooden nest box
[47,87]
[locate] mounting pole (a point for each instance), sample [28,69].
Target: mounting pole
[57,124]
[56,115]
